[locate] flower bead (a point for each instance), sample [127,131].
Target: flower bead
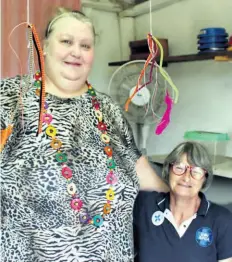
[72,189]
[76,204]
[91,92]
[61,157]
[84,218]
[45,105]
[51,131]
[47,119]
[37,75]
[110,163]
[106,208]
[110,194]
[97,220]
[98,114]
[37,91]
[102,126]
[111,178]
[108,150]
[105,138]
[56,144]
[66,172]
[37,83]
[96,104]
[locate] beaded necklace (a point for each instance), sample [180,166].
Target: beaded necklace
[61,157]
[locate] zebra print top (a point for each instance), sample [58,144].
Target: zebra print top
[37,221]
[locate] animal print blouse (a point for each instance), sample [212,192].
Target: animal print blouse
[37,221]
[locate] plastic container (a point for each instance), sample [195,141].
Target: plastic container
[212,39]
[216,143]
[212,31]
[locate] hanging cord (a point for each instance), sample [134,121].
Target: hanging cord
[150,17]
[160,66]
[31,67]
[138,83]
[42,70]
[31,54]
[28,12]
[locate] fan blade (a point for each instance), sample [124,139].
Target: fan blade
[126,87]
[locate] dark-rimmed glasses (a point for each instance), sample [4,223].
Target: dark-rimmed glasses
[196,172]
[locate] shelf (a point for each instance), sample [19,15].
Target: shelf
[182,58]
[223,167]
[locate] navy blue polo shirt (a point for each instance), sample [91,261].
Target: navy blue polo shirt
[208,237]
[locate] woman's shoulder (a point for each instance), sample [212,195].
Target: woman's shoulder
[13,84]
[105,99]
[220,213]
[110,107]
[148,197]
[146,203]
[10,81]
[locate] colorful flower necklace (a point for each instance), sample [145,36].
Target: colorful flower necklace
[61,157]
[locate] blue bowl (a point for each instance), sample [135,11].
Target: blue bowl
[211,50]
[213,45]
[213,39]
[212,31]
[212,35]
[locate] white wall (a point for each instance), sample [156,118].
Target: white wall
[107,47]
[205,87]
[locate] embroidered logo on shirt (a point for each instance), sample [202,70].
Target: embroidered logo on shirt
[157,218]
[204,236]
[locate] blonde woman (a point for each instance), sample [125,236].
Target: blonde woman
[68,193]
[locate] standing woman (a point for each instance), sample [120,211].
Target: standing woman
[68,193]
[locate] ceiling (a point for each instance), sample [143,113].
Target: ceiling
[127,8]
[127,3]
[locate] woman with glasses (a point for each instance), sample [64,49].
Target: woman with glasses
[183,225]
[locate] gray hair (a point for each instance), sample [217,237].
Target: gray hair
[65,12]
[197,155]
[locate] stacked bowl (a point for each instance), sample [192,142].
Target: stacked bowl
[212,39]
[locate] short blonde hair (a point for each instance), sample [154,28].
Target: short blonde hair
[65,12]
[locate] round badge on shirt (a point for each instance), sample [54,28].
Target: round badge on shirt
[204,236]
[157,218]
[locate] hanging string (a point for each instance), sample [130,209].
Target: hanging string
[160,66]
[30,43]
[28,12]
[31,54]
[42,70]
[150,16]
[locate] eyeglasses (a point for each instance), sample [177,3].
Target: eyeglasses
[196,172]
